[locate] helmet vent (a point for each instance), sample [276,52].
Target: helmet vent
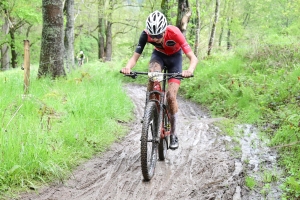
[156,23]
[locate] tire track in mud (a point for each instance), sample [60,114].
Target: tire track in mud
[201,168]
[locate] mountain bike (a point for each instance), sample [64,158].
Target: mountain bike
[80,62]
[155,137]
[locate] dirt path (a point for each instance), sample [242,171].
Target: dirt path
[202,167]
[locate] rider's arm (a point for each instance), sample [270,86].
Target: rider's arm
[188,52]
[138,51]
[193,63]
[131,63]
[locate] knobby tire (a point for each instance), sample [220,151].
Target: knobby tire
[79,63]
[148,143]
[162,147]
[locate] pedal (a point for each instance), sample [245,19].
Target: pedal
[173,149]
[157,139]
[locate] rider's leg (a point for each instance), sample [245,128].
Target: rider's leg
[153,67]
[172,102]
[173,108]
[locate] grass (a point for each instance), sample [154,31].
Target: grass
[58,125]
[250,182]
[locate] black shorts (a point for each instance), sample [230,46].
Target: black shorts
[173,63]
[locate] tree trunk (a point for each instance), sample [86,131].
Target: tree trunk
[213,29]
[108,49]
[28,30]
[225,15]
[101,30]
[13,48]
[108,34]
[101,34]
[4,47]
[183,15]
[221,35]
[52,47]
[198,25]
[69,35]
[229,22]
[228,35]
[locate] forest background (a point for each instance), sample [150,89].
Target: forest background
[248,51]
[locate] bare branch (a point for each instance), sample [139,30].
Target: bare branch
[286,145]
[123,6]
[121,32]
[126,24]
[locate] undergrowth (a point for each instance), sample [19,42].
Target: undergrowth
[59,124]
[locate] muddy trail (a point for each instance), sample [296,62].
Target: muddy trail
[203,167]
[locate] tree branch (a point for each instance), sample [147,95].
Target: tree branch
[286,145]
[126,24]
[115,8]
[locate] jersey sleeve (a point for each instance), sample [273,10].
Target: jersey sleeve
[182,41]
[142,42]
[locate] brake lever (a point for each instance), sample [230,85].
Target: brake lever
[132,74]
[180,76]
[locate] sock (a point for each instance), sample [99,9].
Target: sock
[173,124]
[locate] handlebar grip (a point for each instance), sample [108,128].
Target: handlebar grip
[132,74]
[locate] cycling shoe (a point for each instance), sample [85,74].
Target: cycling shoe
[173,142]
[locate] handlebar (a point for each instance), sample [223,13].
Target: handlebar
[134,74]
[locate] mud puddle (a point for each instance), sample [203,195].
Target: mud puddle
[259,163]
[203,167]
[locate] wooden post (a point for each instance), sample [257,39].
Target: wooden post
[26,66]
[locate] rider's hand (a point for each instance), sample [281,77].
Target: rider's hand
[187,73]
[126,70]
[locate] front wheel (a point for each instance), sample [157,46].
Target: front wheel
[149,141]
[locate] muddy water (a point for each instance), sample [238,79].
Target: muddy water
[203,167]
[259,162]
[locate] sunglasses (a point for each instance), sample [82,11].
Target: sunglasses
[156,36]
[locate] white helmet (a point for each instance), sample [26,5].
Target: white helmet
[156,23]
[81,52]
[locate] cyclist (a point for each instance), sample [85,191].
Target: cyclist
[80,58]
[168,41]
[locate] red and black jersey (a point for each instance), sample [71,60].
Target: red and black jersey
[173,41]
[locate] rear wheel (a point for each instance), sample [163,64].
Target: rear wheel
[148,141]
[79,62]
[163,147]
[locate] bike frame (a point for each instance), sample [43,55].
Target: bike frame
[159,92]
